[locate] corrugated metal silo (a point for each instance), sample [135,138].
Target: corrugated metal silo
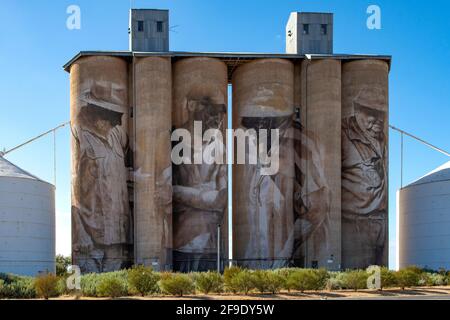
[424,221]
[27,222]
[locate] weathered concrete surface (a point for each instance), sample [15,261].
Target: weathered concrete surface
[200,191]
[101,217]
[152,162]
[364,163]
[263,224]
[317,200]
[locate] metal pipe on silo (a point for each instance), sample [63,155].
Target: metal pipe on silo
[101,215]
[263,221]
[200,191]
[317,145]
[152,163]
[364,163]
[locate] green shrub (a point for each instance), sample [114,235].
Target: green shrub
[228,278]
[17,287]
[268,281]
[260,280]
[237,280]
[2,285]
[388,279]
[61,265]
[176,284]
[46,285]
[415,269]
[91,284]
[334,282]
[407,277]
[322,276]
[355,279]
[210,281]
[143,280]
[244,281]
[432,279]
[61,286]
[284,274]
[301,280]
[425,279]
[112,285]
[436,279]
[307,279]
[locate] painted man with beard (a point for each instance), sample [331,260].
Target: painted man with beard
[364,182]
[199,195]
[101,219]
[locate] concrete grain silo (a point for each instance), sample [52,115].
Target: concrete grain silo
[263,220]
[317,198]
[364,163]
[152,163]
[27,222]
[144,195]
[423,221]
[102,235]
[200,189]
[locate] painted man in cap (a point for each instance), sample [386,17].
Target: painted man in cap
[268,211]
[364,181]
[199,193]
[101,214]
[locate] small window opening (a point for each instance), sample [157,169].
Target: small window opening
[140,26]
[306,29]
[323,29]
[159,26]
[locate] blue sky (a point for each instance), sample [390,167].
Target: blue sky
[35,43]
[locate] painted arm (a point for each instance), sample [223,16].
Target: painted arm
[211,200]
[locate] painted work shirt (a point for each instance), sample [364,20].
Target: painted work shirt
[199,200]
[102,214]
[364,176]
[269,211]
[312,195]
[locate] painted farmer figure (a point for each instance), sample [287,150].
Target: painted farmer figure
[199,195]
[100,211]
[268,212]
[312,194]
[364,181]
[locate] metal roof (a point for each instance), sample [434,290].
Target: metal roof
[232,59]
[7,169]
[439,174]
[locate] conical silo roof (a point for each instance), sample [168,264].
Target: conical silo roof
[7,169]
[441,173]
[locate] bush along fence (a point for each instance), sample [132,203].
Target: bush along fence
[143,281]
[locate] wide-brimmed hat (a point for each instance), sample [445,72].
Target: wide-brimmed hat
[210,106]
[105,94]
[372,98]
[270,101]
